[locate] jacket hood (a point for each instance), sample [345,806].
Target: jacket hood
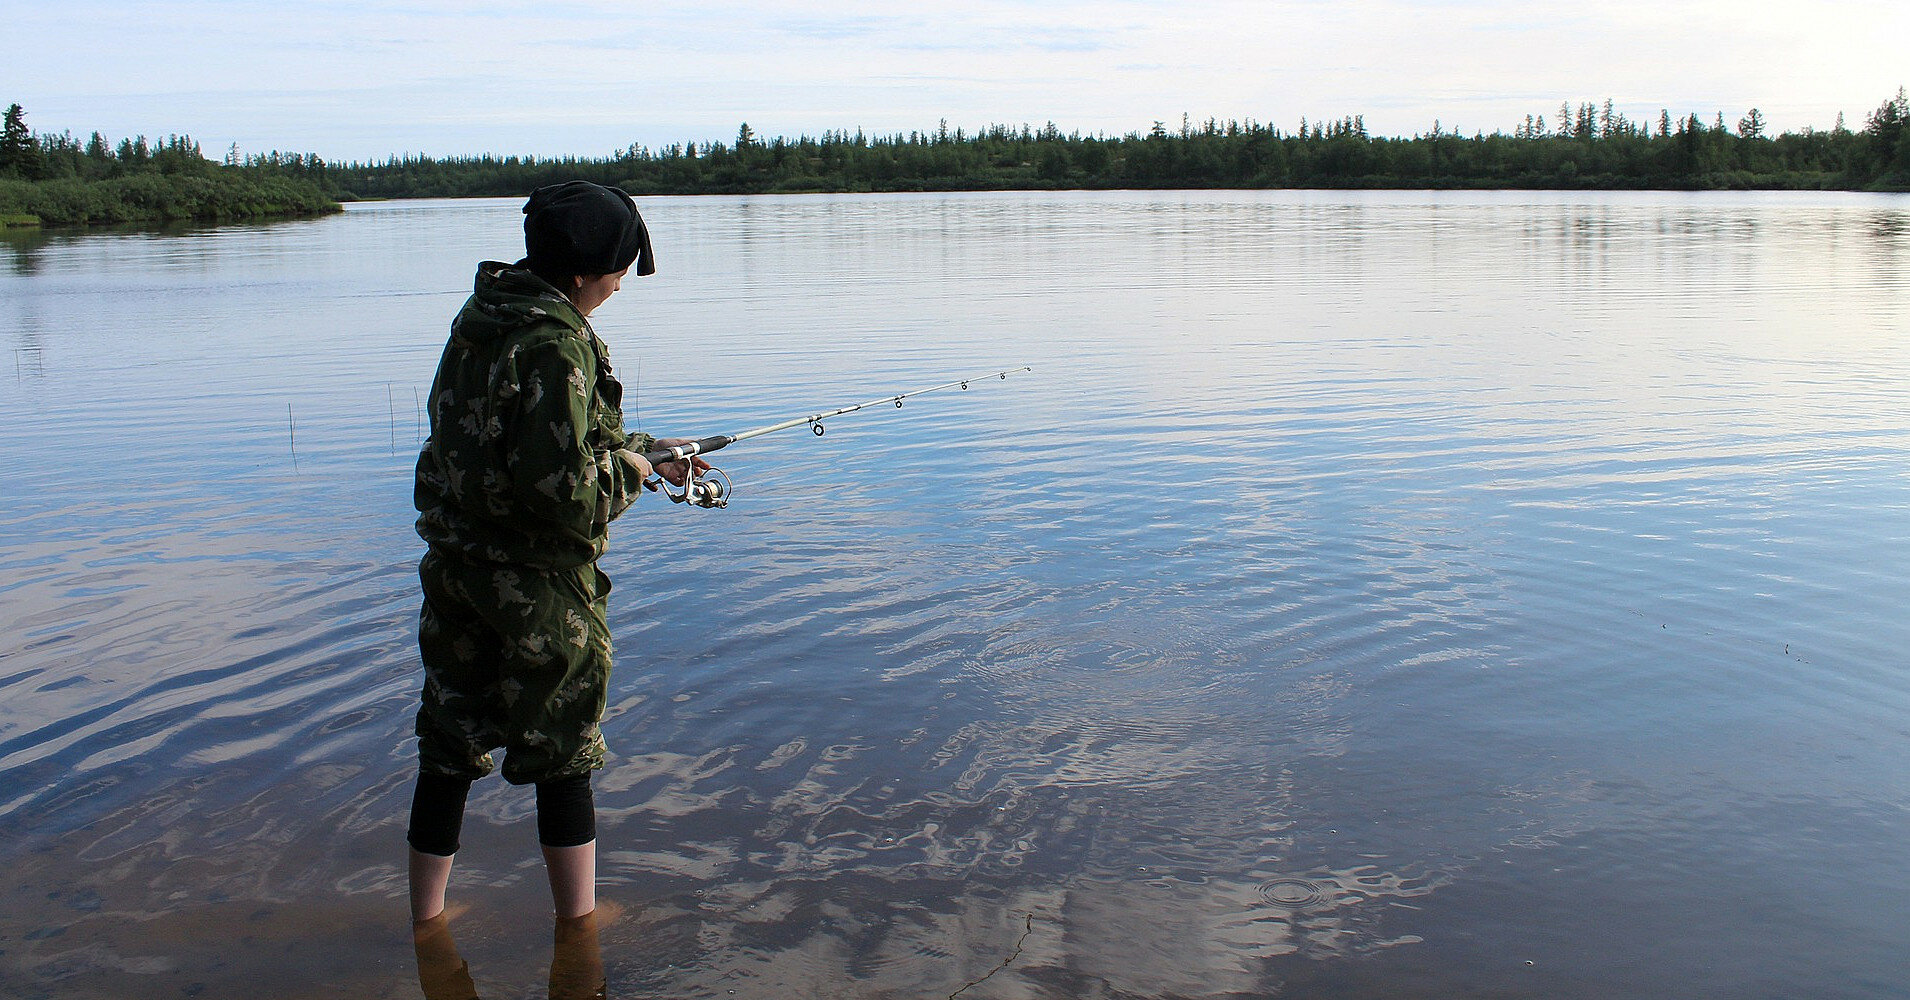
[508,297]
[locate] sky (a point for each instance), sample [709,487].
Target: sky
[352,80]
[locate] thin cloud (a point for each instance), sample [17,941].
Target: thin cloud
[588,76]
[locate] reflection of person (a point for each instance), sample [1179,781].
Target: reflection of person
[526,465]
[442,972]
[576,961]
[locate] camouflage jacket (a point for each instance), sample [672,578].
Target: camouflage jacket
[527,462]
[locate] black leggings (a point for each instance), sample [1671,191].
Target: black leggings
[566,813]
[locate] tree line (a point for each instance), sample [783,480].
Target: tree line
[1586,146]
[60,180]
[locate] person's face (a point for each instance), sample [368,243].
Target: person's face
[591,290]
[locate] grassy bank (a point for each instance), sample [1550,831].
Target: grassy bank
[221,195]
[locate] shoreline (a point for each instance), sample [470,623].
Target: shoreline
[29,223]
[151,198]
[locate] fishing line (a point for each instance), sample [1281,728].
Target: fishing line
[1028,928]
[711,487]
[637,397]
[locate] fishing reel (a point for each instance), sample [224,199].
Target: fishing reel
[709,489]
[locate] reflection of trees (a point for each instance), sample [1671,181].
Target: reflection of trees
[23,248]
[1888,228]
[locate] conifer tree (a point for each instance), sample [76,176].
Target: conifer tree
[19,153]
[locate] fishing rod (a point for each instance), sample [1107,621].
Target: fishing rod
[711,487]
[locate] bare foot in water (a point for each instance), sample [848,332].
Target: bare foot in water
[608,912]
[451,911]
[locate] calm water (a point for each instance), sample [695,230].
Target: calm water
[1391,594]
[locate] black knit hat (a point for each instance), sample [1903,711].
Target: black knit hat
[582,228]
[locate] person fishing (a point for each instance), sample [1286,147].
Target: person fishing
[526,465]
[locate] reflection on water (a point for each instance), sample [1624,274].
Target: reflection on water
[576,964]
[1375,594]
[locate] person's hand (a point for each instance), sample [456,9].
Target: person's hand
[636,463]
[676,472]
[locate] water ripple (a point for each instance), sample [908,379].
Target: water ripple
[1357,575]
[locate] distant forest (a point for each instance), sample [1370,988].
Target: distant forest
[1584,147]
[58,179]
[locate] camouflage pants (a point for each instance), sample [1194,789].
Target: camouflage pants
[513,658]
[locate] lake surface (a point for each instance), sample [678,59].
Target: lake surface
[1389,594]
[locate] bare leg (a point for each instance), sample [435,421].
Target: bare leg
[573,878]
[437,812]
[429,876]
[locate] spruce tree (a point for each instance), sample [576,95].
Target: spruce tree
[19,153]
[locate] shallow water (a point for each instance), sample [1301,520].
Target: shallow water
[1374,594]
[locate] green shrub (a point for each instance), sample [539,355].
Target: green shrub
[227,194]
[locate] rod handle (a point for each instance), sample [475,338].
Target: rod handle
[701,446]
